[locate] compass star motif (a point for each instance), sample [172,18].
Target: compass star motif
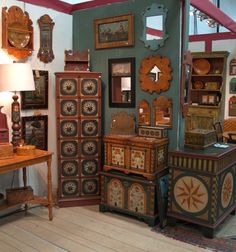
[227,190]
[190,194]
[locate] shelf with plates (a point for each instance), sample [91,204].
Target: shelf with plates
[207,85]
[17,32]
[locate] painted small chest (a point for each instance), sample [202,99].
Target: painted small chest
[202,185]
[200,138]
[135,154]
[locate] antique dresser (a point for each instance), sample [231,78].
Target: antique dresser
[202,186]
[78,108]
[135,154]
[134,195]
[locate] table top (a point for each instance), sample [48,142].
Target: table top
[226,134]
[17,162]
[209,152]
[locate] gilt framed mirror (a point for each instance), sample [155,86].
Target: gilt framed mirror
[144,113]
[163,111]
[121,82]
[154,26]
[155,74]
[45,53]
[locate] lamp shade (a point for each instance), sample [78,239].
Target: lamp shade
[16,77]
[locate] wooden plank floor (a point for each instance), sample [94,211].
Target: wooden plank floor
[82,229]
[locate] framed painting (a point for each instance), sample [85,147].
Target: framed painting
[232,106]
[37,99]
[115,31]
[35,131]
[232,67]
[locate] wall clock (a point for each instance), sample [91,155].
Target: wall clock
[17,32]
[45,53]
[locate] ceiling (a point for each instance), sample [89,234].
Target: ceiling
[75,1]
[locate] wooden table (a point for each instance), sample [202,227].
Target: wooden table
[226,135]
[21,162]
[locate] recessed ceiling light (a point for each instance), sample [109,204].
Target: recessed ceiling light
[75,1]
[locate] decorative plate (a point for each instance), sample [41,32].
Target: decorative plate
[18,39]
[201,66]
[198,85]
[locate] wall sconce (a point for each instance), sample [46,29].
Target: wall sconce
[16,77]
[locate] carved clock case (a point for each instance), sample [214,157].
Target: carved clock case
[78,106]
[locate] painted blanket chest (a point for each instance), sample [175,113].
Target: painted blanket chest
[135,155]
[134,195]
[202,186]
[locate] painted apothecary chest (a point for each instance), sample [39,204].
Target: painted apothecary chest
[135,155]
[78,109]
[202,186]
[134,195]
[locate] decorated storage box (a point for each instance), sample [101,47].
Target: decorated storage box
[135,154]
[202,186]
[200,138]
[156,132]
[134,195]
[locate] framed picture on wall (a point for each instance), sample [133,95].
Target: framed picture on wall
[232,67]
[35,131]
[115,31]
[37,99]
[232,106]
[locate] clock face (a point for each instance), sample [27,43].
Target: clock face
[69,168]
[69,148]
[69,187]
[89,148]
[89,108]
[90,186]
[89,127]
[68,87]
[89,87]
[89,167]
[68,108]
[68,128]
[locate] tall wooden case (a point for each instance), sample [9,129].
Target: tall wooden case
[78,108]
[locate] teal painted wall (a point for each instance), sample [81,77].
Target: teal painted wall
[83,38]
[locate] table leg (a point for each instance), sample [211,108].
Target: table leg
[25,183]
[50,201]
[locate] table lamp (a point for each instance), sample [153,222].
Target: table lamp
[16,77]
